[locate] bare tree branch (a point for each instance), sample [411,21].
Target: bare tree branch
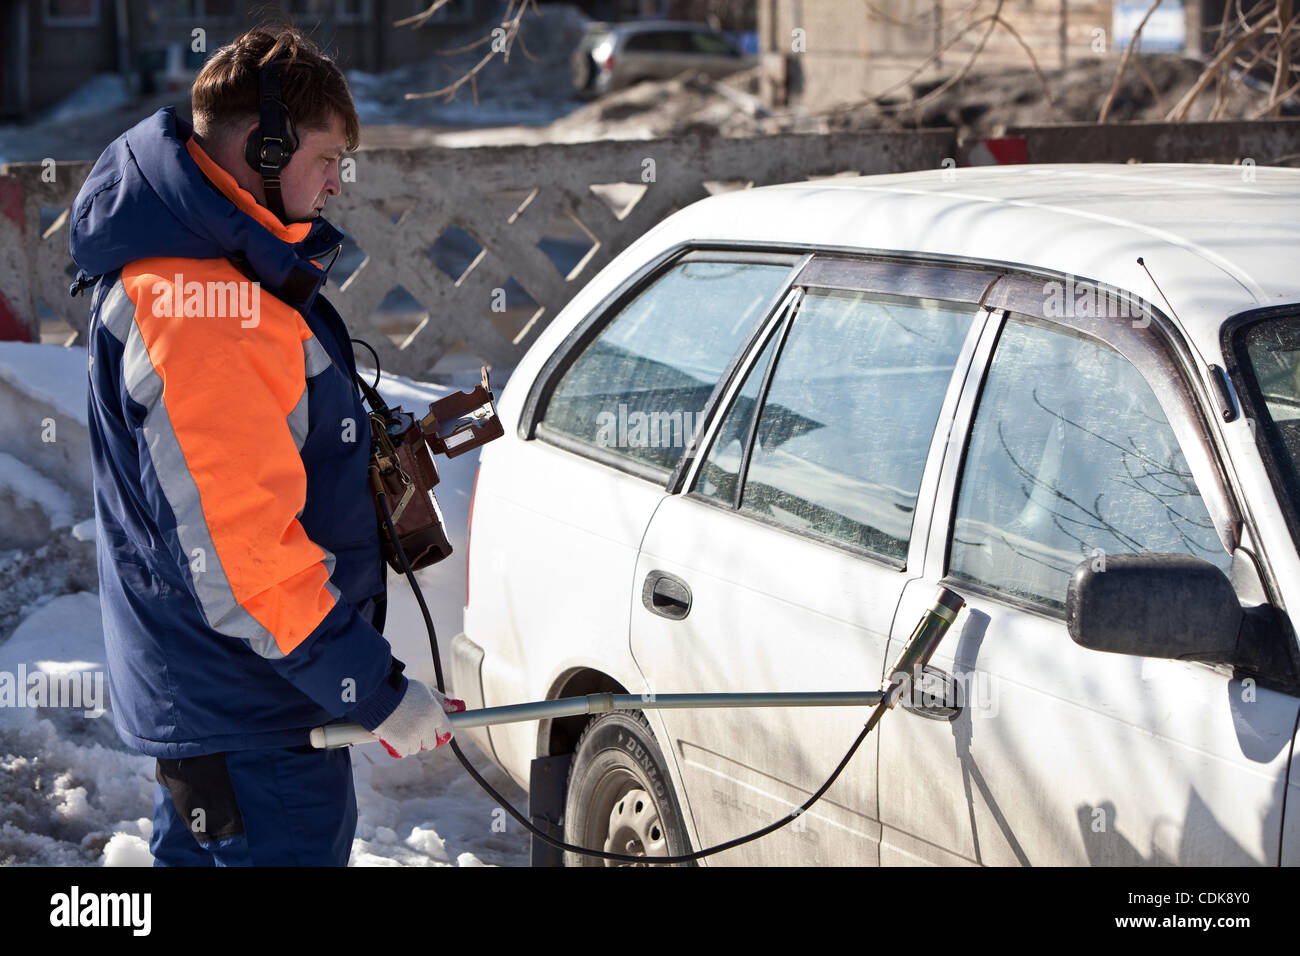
[500,44]
[422,17]
[1179,113]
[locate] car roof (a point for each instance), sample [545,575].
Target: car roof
[1217,239]
[643,26]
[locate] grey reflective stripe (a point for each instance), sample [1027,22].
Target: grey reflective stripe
[223,612]
[117,311]
[297,420]
[315,358]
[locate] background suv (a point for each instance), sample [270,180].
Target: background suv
[611,56]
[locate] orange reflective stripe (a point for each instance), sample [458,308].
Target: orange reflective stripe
[226,390]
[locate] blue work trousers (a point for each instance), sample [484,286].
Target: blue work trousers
[292,806]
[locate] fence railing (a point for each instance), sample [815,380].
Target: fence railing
[477,249]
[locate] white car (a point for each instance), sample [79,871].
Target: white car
[747,454]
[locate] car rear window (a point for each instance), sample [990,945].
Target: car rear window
[661,41]
[847,421]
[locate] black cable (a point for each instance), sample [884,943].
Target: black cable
[371,349]
[382,499]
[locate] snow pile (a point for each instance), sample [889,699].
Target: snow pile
[70,792]
[44,478]
[52,376]
[68,789]
[27,489]
[102,93]
[429,812]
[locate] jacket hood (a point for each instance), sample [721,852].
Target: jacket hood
[147,197]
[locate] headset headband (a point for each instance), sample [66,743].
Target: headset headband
[273,143]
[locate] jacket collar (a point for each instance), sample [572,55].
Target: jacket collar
[292,233]
[147,196]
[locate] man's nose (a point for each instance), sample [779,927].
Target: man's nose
[333,185]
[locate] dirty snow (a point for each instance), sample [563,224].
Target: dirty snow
[27,487]
[71,794]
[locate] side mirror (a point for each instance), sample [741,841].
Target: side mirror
[1155,605]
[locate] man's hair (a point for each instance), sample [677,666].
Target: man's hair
[224,96]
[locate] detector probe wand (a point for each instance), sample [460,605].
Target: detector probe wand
[911,661]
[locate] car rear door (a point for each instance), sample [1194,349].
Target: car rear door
[1078,439]
[779,565]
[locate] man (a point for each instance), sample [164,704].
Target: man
[241,580]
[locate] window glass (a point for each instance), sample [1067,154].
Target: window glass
[710,45]
[1270,362]
[1071,458]
[847,423]
[660,41]
[717,477]
[639,388]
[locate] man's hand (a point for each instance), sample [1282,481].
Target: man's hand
[419,722]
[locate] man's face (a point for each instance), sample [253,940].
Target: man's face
[312,175]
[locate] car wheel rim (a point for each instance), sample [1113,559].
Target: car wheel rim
[633,824]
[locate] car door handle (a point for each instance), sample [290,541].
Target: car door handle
[666,595]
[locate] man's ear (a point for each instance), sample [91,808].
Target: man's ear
[243,142]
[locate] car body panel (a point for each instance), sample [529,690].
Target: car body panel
[1218,245]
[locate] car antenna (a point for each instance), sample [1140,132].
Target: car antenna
[1223,391]
[1160,290]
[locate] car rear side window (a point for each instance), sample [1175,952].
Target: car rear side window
[1070,459]
[660,41]
[711,45]
[846,425]
[721,467]
[638,390]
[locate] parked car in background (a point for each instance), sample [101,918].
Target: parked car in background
[611,56]
[745,456]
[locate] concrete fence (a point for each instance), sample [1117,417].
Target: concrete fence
[477,249]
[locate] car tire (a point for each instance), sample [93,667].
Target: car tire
[620,798]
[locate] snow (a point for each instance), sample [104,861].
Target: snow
[53,376]
[56,638]
[29,487]
[71,794]
[102,93]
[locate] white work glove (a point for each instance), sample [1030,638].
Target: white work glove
[419,722]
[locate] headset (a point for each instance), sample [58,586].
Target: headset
[272,144]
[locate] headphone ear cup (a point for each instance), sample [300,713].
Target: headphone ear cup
[253,147]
